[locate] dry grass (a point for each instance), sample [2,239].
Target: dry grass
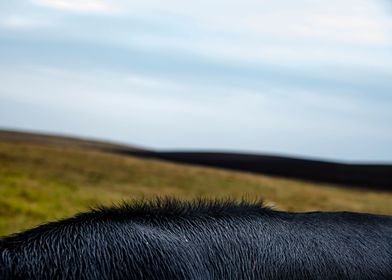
[43,183]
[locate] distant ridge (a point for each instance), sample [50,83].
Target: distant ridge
[375,176]
[60,141]
[364,175]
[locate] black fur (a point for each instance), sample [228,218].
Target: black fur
[169,239]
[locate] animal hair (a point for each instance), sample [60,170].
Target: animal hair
[169,207]
[168,238]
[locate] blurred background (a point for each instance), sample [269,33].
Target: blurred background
[109,100]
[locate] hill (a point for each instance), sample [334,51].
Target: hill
[10,136]
[376,176]
[40,182]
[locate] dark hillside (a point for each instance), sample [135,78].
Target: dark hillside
[364,175]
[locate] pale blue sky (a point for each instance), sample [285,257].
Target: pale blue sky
[304,78]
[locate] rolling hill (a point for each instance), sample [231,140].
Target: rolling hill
[10,136]
[376,176]
[43,178]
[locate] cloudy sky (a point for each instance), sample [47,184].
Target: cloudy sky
[305,78]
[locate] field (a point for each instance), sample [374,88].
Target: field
[42,182]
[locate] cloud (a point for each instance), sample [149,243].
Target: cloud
[163,114]
[21,22]
[258,73]
[78,5]
[350,21]
[194,69]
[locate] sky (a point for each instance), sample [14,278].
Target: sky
[303,78]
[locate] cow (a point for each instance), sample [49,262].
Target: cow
[202,239]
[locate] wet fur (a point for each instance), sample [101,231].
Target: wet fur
[202,239]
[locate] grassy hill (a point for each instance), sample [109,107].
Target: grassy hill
[11,136]
[40,182]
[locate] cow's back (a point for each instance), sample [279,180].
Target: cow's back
[206,241]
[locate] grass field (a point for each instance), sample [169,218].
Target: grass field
[41,183]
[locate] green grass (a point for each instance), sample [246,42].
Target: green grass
[44,183]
